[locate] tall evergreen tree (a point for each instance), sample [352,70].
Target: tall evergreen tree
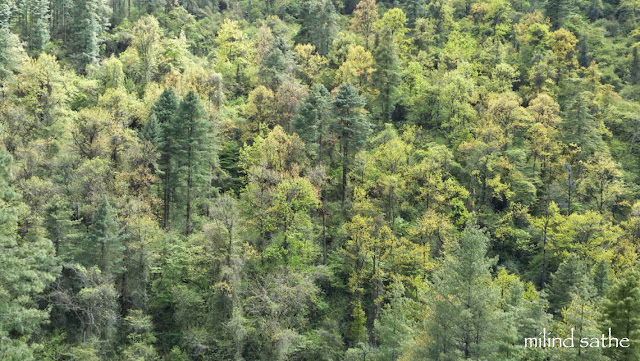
[396,324]
[351,127]
[319,25]
[621,313]
[27,266]
[195,149]
[386,77]
[464,322]
[165,112]
[85,29]
[104,246]
[8,42]
[38,25]
[569,275]
[557,11]
[61,19]
[61,228]
[313,117]
[580,125]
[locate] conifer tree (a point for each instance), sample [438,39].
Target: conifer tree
[621,313]
[557,11]
[105,246]
[313,117]
[195,149]
[386,77]
[569,275]
[170,132]
[350,126]
[8,42]
[463,314]
[319,25]
[396,324]
[61,228]
[581,316]
[38,25]
[85,30]
[27,266]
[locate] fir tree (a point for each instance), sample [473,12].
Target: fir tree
[557,11]
[170,132]
[350,126]
[581,316]
[104,244]
[38,25]
[27,266]
[85,31]
[8,42]
[195,149]
[312,119]
[386,77]
[621,313]
[60,226]
[319,24]
[563,282]
[464,322]
[396,324]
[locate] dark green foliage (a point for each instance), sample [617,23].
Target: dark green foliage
[38,25]
[195,153]
[465,322]
[104,241]
[27,267]
[313,118]
[166,138]
[85,29]
[350,126]
[319,24]
[557,11]
[564,281]
[621,312]
[292,180]
[386,78]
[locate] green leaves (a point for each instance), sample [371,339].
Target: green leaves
[27,267]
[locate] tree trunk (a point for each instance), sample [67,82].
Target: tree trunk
[345,155]
[165,215]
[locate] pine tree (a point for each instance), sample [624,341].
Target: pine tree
[581,316]
[396,324]
[85,31]
[38,25]
[27,266]
[319,25]
[61,19]
[580,126]
[601,277]
[463,314]
[195,148]
[8,42]
[104,246]
[557,11]
[61,228]
[568,276]
[350,126]
[170,132]
[313,117]
[621,312]
[386,77]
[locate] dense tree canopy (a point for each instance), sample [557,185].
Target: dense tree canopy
[318,180]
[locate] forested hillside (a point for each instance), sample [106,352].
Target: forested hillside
[318,180]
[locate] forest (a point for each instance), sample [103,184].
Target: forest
[318,180]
